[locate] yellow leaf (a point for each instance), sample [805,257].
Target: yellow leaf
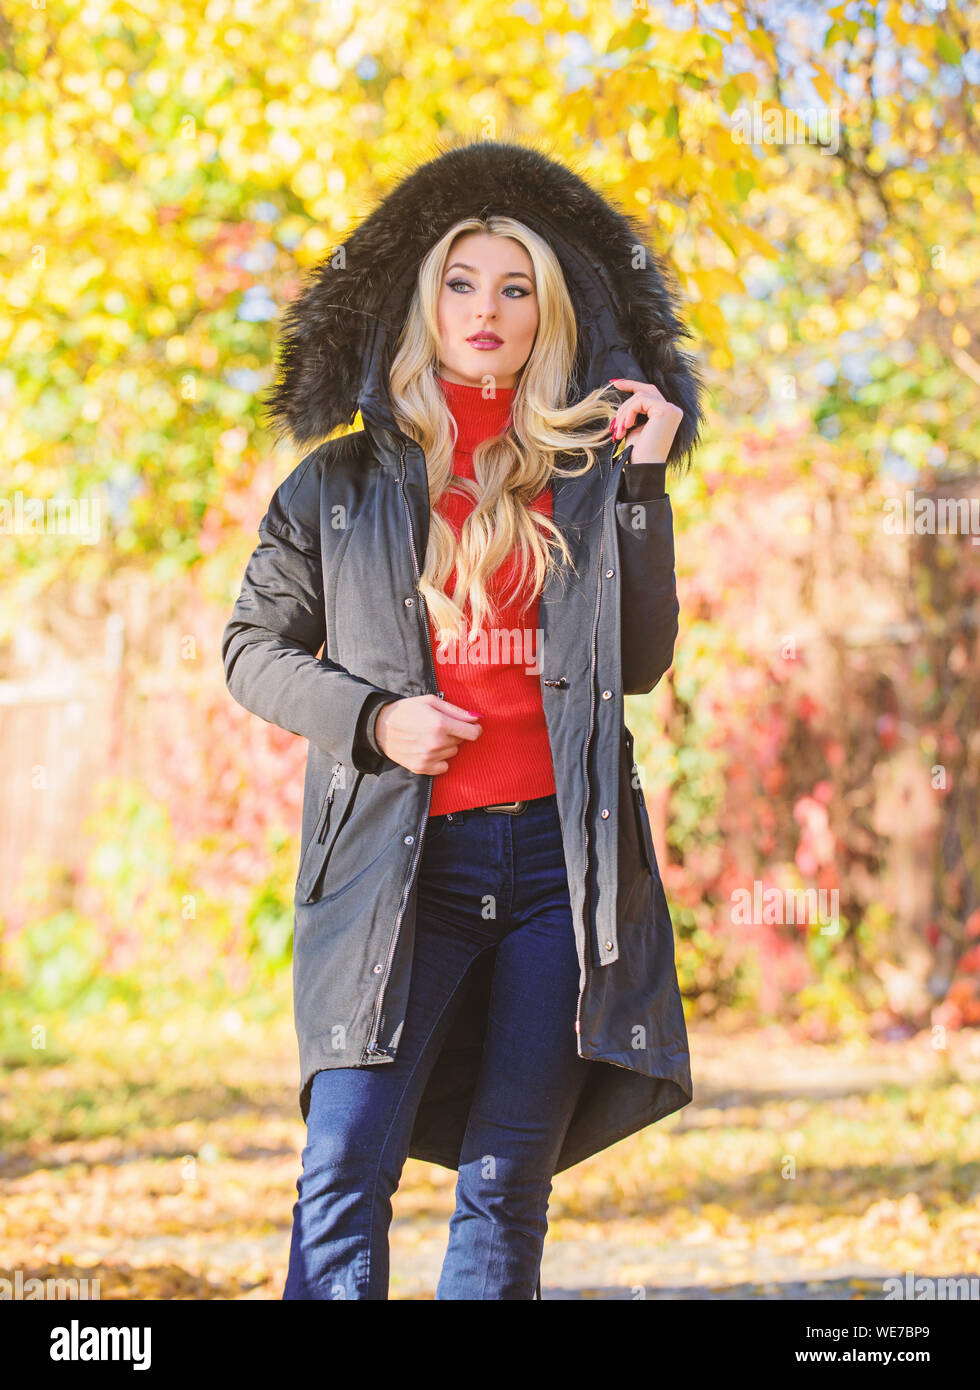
[824,85]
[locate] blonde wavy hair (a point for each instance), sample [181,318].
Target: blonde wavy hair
[510,468]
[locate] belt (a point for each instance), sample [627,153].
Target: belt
[509,808]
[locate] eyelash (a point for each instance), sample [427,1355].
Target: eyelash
[521,292]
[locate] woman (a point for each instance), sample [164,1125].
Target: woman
[483,954]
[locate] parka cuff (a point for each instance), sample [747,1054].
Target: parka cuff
[368,754]
[649,606]
[642,482]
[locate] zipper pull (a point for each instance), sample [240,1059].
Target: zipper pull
[330,791]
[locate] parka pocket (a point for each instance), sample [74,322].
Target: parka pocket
[643,833]
[337,803]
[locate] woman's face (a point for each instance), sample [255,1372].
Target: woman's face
[487,310]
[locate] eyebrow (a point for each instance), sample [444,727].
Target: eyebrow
[508,275]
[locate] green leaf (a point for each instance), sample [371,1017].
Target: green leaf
[672,122]
[744,182]
[633,35]
[947,48]
[730,94]
[710,44]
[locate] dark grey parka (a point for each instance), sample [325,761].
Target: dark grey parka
[337,567]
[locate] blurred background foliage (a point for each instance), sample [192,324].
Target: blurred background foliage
[169,172]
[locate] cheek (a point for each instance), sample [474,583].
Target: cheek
[528,320]
[448,310]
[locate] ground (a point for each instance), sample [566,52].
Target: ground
[161,1158]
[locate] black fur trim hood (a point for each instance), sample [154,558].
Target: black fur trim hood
[337,337]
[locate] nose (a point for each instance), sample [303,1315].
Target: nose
[485,305]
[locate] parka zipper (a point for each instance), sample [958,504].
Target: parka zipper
[325,818]
[372,1048]
[588,744]
[321,830]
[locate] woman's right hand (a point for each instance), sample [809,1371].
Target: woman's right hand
[422,732]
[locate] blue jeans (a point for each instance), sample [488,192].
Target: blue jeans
[360,1119]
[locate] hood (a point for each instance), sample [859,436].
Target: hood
[337,337]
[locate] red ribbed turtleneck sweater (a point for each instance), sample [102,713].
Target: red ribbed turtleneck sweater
[511,760]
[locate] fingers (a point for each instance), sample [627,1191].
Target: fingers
[437,761]
[623,383]
[456,721]
[445,750]
[645,400]
[456,711]
[458,730]
[626,415]
[652,406]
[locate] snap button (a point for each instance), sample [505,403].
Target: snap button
[409,602]
[605,813]
[608,945]
[610,573]
[409,840]
[377,970]
[607,694]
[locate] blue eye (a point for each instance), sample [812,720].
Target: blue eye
[521,292]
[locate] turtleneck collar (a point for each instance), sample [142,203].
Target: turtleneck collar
[477,418]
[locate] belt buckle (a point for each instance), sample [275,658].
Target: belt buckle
[511,808]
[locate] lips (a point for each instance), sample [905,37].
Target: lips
[485,340]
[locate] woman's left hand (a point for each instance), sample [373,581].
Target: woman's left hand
[652,440]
